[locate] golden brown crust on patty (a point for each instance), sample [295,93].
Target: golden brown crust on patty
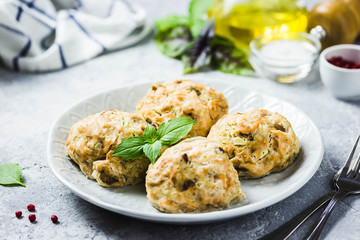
[257,142]
[119,172]
[183,98]
[193,176]
[93,137]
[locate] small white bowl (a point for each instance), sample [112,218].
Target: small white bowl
[343,83]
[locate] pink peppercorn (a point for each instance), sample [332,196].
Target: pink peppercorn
[54,218]
[31,207]
[18,214]
[32,217]
[344,63]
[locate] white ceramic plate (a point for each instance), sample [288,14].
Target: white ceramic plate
[132,201]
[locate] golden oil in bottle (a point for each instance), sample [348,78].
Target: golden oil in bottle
[243,20]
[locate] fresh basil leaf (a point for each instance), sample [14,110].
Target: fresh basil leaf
[226,57]
[150,134]
[130,148]
[152,151]
[174,130]
[10,174]
[173,36]
[198,10]
[176,135]
[169,133]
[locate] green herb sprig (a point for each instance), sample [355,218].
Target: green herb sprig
[150,144]
[10,174]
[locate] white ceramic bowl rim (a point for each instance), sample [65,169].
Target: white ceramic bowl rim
[339,47]
[312,38]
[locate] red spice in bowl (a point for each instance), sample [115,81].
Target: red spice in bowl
[343,63]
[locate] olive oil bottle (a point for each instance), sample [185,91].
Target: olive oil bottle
[243,20]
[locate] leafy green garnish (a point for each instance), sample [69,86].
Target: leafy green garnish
[152,151]
[192,40]
[10,174]
[226,57]
[150,134]
[171,22]
[198,15]
[174,130]
[198,57]
[173,36]
[130,148]
[150,144]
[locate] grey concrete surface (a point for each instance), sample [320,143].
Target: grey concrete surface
[29,103]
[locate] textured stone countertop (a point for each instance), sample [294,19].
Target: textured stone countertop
[29,103]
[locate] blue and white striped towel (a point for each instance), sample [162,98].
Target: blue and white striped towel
[45,35]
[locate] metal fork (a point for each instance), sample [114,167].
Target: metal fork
[288,228]
[347,182]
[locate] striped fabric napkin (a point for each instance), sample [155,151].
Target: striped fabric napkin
[46,35]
